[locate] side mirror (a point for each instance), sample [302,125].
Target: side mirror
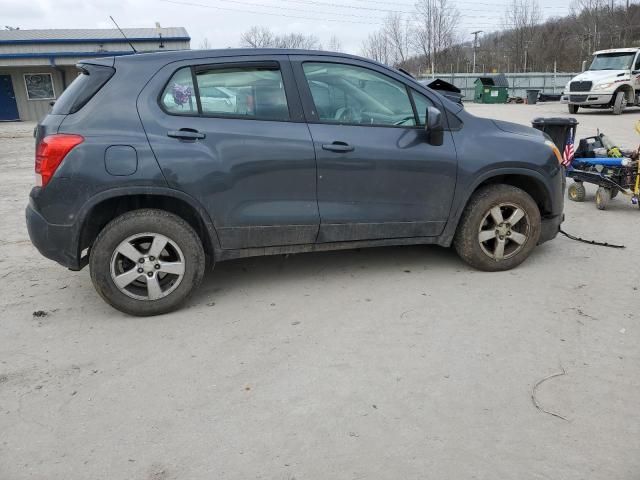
[434,126]
[584,65]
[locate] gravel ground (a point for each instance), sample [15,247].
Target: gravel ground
[383,363]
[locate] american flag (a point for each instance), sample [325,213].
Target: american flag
[569,152]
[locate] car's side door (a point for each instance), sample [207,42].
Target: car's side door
[378,176]
[230,132]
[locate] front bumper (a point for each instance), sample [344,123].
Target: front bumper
[550,227]
[56,242]
[586,98]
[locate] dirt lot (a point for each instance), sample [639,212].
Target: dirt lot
[385,363]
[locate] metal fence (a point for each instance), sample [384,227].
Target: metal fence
[519,83]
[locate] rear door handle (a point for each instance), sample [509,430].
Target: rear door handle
[186,134]
[341,147]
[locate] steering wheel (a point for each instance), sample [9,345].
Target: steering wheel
[345,114]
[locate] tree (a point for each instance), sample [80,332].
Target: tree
[297,40]
[520,20]
[376,47]
[257,37]
[204,44]
[262,37]
[436,31]
[398,36]
[334,44]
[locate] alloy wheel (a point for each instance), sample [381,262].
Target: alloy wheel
[147,266]
[504,231]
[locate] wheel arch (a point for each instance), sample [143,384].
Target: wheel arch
[628,91]
[530,181]
[107,205]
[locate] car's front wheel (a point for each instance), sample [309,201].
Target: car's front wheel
[498,229]
[573,109]
[147,262]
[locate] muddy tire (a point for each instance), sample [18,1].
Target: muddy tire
[619,102]
[147,262]
[498,229]
[573,109]
[603,195]
[576,192]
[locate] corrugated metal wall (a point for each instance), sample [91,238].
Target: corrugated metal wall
[518,82]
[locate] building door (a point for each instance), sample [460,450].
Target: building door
[8,107]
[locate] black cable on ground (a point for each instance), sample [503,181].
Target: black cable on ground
[590,242]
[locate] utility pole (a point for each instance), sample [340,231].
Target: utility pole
[475,47]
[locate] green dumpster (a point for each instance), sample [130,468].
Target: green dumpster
[491,89]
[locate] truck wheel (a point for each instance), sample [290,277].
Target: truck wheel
[576,192]
[603,195]
[573,109]
[619,103]
[146,262]
[498,229]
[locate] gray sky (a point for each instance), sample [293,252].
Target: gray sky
[222,21]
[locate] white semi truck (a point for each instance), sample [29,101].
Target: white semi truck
[612,81]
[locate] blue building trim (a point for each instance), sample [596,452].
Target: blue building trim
[93,40]
[66,54]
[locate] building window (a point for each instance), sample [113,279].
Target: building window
[39,86]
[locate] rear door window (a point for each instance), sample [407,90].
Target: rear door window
[249,92]
[252,92]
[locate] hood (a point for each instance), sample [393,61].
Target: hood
[600,75]
[518,129]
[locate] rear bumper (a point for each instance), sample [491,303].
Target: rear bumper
[56,242]
[587,98]
[550,227]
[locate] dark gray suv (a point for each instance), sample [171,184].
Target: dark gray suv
[153,167]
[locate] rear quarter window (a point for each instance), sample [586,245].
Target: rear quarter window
[90,80]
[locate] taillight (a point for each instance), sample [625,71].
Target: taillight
[50,152]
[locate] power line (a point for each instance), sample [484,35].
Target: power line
[375,9]
[375,20]
[216,7]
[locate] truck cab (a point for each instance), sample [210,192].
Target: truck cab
[611,81]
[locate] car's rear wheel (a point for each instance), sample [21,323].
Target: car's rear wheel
[147,262]
[498,229]
[573,109]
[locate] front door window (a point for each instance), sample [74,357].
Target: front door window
[348,94]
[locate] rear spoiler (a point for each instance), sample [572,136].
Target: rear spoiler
[103,62]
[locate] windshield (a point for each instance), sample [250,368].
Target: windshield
[613,61]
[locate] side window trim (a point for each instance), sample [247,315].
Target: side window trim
[271,64]
[416,117]
[196,89]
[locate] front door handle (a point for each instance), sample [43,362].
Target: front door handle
[341,147]
[186,134]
